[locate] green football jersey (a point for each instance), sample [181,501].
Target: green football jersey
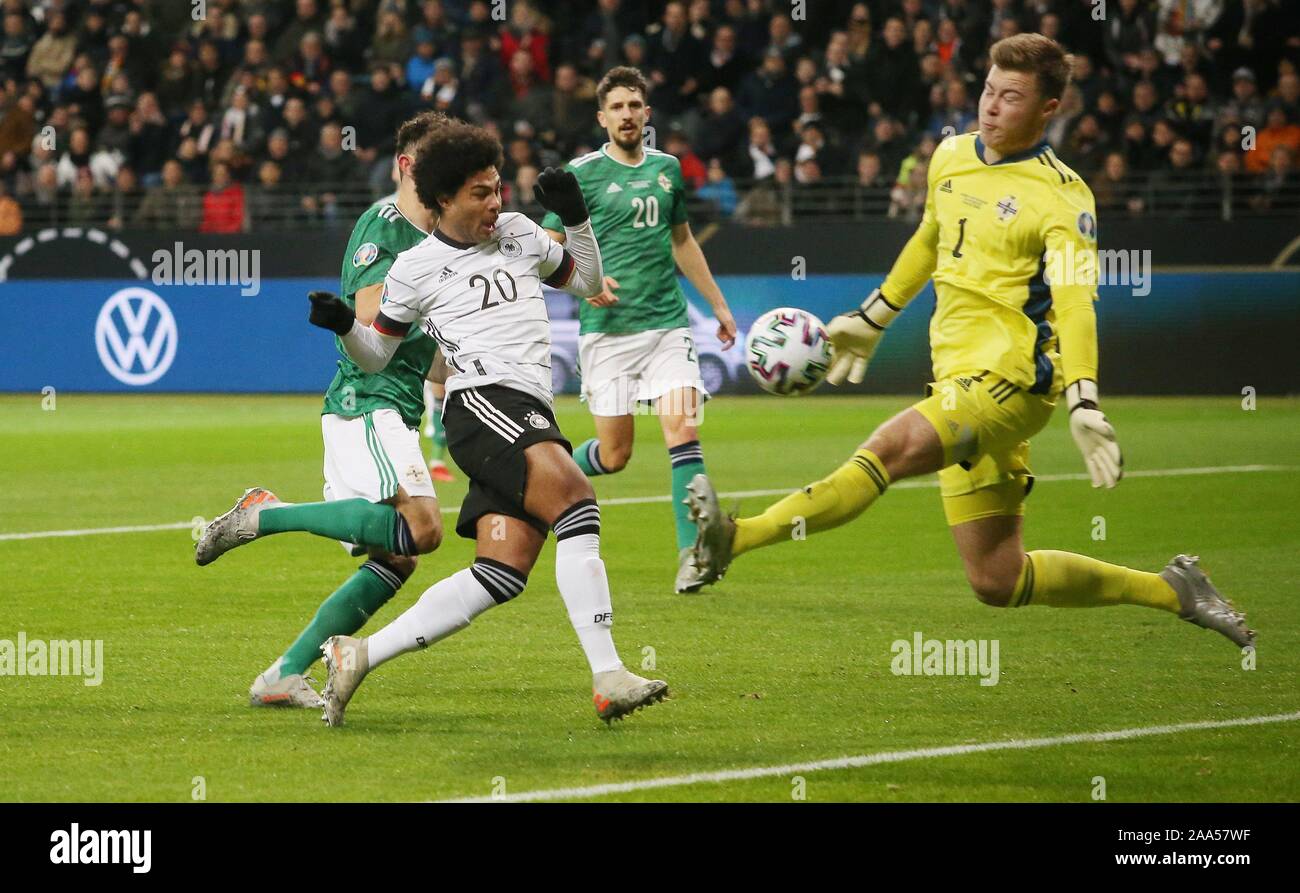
[381,234]
[633,210]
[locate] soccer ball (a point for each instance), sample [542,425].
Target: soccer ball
[787,351]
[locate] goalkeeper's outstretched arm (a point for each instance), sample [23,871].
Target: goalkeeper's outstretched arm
[915,263]
[855,335]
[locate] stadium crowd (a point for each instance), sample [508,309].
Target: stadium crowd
[228,116]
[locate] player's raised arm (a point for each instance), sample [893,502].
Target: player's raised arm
[1070,239]
[576,267]
[371,347]
[856,334]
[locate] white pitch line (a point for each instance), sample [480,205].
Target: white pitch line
[734,494]
[872,759]
[93,531]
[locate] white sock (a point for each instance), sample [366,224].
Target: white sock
[580,575]
[446,607]
[272,673]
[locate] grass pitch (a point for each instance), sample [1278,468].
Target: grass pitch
[788,661]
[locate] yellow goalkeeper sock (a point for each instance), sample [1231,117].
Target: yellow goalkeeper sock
[832,501]
[1067,580]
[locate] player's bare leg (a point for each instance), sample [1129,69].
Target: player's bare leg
[902,447]
[1003,575]
[559,494]
[423,518]
[679,418]
[993,554]
[610,450]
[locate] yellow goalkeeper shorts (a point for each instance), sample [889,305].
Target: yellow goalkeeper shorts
[984,423]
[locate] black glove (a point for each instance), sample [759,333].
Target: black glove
[557,190]
[328,312]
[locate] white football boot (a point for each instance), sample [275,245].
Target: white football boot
[235,527]
[347,661]
[616,693]
[288,691]
[1204,605]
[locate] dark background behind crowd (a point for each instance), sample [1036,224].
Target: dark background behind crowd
[274,114]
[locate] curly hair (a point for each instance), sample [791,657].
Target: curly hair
[450,155]
[622,76]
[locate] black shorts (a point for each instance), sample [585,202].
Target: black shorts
[488,428]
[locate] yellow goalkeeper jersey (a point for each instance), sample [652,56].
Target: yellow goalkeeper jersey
[1012,249]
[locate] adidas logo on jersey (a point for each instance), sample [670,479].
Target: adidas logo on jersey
[946,186]
[613,187]
[447,273]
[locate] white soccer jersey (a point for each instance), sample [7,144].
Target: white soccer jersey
[482,303]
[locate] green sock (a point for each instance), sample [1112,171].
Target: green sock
[587,455]
[342,614]
[688,461]
[439,438]
[349,520]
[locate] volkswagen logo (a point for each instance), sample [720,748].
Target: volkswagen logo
[131,349]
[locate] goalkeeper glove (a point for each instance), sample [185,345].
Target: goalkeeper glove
[855,335]
[558,190]
[328,312]
[1094,435]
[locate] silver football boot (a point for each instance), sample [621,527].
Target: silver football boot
[1202,604]
[689,579]
[715,530]
[235,527]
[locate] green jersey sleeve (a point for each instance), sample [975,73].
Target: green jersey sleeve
[679,193]
[370,258]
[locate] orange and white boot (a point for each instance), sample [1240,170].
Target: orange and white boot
[235,527]
[616,693]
